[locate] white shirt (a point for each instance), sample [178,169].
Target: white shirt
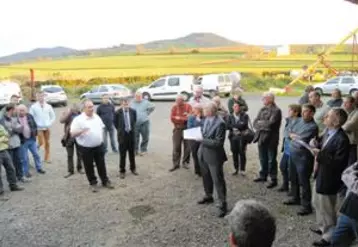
[94,137]
[44,115]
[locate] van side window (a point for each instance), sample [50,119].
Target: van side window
[227,78]
[221,78]
[158,83]
[173,82]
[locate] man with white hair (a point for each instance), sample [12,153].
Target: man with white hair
[198,97]
[212,156]
[267,125]
[251,225]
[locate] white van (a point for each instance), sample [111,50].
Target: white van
[214,84]
[169,87]
[7,89]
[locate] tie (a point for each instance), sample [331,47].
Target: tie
[126,122]
[207,125]
[325,139]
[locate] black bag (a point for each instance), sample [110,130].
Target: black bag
[248,135]
[349,206]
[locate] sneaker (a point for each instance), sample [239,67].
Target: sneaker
[25,180]
[143,153]
[16,188]
[109,185]
[41,171]
[94,188]
[242,173]
[28,175]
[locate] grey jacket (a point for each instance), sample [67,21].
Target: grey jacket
[14,128]
[349,177]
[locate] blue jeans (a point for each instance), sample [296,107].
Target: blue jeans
[284,167]
[268,161]
[345,232]
[17,160]
[142,129]
[30,145]
[110,132]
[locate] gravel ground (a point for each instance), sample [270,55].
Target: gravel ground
[157,208]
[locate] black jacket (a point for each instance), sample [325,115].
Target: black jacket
[335,103]
[267,125]
[106,113]
[241,125]
[332,160]
[120,125]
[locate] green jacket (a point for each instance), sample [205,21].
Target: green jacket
[4,138]
[240,101]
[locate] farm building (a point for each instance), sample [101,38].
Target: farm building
[283,50]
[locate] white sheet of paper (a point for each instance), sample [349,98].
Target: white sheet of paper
[305,145]
[193,134]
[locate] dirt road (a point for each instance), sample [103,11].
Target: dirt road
[157,208]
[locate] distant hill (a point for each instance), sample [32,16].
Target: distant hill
[55,52]
[194,40]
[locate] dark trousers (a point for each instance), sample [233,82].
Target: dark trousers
[178,141]
[94,155]
[6,162]
[70,148]
[127,144]
[285,168]
[268,161]
[301,168]
[16,157]
[238,149]
[352,154]
[213,175]
[194,146]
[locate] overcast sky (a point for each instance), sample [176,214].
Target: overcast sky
[81,24]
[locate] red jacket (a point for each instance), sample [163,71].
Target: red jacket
[179,115]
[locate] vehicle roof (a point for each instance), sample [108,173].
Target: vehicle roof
[177,76]
[44,86]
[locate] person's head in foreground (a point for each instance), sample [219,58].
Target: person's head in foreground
[138,96]
[268,98]
[125,104]
[88,108]
[198,110]
[22,110]
[335,118]
[179,100]
[105,98]
[198,91]
[294,110]
[14,99]
[251,225]
[309,89]
[40,97]
[236,94]
[210,110]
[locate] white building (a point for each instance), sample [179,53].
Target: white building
[283,50]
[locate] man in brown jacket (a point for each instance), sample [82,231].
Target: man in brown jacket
[351,127]
[179,117]
[267,125]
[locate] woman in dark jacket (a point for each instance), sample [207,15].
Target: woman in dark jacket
[237,123]
[69,142]
[196,120]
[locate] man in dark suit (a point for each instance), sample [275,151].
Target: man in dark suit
[332,152]
[302,160]
[267,125]
[124,120]
[212,157]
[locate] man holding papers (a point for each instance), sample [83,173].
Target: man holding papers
[196,120]
[212,157]
[301,160]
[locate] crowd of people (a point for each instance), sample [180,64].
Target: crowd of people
[319,141]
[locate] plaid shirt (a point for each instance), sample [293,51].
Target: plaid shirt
[32,125]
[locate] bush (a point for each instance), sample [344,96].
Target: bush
[255,83]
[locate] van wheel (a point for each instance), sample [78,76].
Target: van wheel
[212,93]
[186,96]
[146,96]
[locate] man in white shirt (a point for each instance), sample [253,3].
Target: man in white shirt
[44,117]
[87,128]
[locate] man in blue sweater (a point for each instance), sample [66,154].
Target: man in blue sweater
[143,108]
[106,112]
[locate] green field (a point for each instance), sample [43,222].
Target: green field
[159,64]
